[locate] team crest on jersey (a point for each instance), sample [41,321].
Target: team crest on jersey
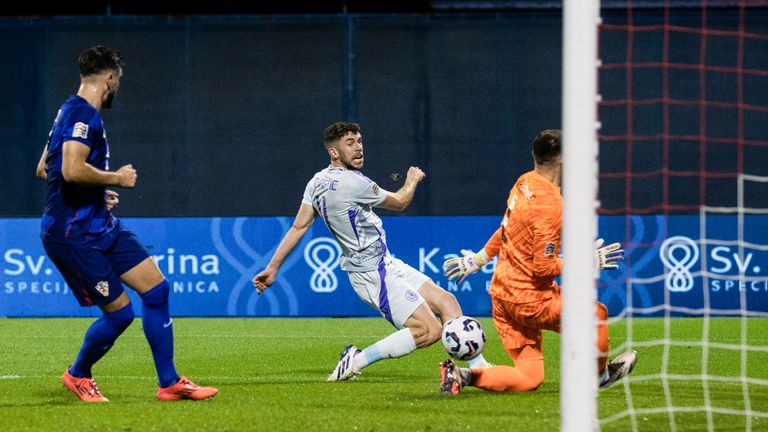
[375,189]
[80,130]
[103,288]
[549,249]
[411,296]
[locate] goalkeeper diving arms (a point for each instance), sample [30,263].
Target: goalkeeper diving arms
[465,265]
[608,257]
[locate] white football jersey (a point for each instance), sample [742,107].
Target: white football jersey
[344,199]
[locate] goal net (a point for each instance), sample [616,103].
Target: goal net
[683,184]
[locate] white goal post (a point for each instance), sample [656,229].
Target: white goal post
[578,350]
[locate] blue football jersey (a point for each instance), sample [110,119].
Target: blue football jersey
[76,213]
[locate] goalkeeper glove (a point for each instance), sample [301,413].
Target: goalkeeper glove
[608,257]
[465,265]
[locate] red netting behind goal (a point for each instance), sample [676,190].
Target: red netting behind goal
[684,105]
[684,165]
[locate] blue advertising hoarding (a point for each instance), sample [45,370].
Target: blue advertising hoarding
[209,263]
[688,265]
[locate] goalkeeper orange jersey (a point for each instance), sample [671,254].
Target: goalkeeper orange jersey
[528,242]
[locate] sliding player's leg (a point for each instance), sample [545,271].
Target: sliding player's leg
[519,327]
[440,301]
[527,374]
[444,304]
[140,272]
[419,330]
[389,290]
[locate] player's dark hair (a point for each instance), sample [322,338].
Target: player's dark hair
[98,59]
[337,130]
[547,146]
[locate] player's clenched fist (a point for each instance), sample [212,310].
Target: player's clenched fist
[264,279]
[415,174]
[126,176]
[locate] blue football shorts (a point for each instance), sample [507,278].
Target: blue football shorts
[92,270]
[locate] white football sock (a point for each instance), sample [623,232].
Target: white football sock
[478,362]
[395,345]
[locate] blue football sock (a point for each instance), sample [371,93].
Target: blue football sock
[99,339]
[158,329]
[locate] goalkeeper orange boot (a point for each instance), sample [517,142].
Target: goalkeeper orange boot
[450,378]
[85,388]
[185,389]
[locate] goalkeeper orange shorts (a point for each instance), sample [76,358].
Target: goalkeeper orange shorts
[521,324]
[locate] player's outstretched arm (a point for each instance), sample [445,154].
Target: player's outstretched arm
[301,224]
[40,172]
[400,200]
[75,169]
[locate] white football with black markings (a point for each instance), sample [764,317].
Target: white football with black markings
[463,338]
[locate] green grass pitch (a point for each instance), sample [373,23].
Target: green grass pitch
[271,376]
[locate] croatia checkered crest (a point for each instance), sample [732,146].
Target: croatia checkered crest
[463,338]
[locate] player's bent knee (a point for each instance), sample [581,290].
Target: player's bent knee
[157,295]
[122,317]
[434,333]
[425,334]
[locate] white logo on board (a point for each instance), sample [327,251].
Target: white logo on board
[679,278]
[322,255]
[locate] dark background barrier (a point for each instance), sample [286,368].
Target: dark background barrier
[223,114]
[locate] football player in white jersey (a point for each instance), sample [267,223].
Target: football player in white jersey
[344,198]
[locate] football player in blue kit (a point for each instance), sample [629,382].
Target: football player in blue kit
[93,251]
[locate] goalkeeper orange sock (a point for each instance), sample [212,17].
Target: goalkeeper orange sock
[527,374]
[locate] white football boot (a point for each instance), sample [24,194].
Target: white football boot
[345,368]
[618,368]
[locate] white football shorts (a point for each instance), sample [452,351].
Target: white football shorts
[392,289]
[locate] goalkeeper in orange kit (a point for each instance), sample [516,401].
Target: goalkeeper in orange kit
[525,297]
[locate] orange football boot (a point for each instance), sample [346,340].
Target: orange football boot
[85,388]
[185,389]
